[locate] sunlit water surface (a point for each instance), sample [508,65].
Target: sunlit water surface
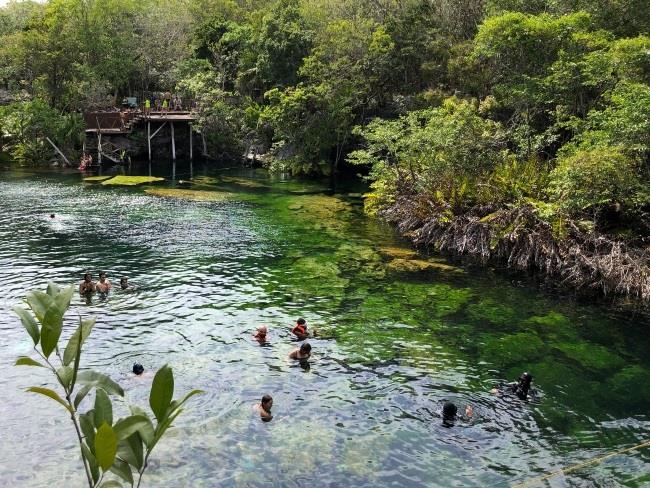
[392,345]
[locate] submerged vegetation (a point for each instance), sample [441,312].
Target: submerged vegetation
[505,131]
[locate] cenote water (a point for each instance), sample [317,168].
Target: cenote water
[397,335]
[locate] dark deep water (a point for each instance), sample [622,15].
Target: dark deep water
[392,345]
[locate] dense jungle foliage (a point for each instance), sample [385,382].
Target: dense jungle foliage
[462,104]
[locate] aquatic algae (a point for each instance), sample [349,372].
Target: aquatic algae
[492,311]
[506,350]
[631,383]
[93,179]
[591,356]
[195,195]
[296,442]
[204,180]
[391,252]
[360,260]
[131,180]
[553,325]
[419,265]
[446,300]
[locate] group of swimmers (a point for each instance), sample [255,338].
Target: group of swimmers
[520,388]
[104,285]
[302,354]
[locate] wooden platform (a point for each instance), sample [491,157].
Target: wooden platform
[115,123]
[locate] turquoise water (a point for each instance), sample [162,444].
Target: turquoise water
[397,335]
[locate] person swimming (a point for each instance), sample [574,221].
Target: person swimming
[124,284]
[301,354]
[138,369]
[260,334]
[450,413]
[264,408]
[104,284]
[87,286]
[300,329]
[521,388]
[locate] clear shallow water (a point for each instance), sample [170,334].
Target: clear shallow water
[391,345]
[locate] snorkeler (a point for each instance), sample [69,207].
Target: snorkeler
[260,334]
[264,408]
[301,354]
[521,387]
[138,369]
[450,414]
[87,286]
[300,329]
[103,285]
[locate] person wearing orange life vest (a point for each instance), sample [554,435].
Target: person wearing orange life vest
[300,329]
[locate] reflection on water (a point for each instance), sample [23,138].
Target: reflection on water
[396,334]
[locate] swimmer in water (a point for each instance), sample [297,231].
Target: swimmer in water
[124,284]
[52,216]
[300,329]
[260,334]
[264,408]
[521,388]
[301,354]
[450,413]
[138,369]
[104,284]
[87,286]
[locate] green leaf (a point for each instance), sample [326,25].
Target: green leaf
[125,427]
[162,391]
[130,450]
[29,323]
[53,289]
[92,462]
[111,484]
[82,394]
[51,394]
[88,428]
[73,343]
[50,317]
[146,432]
[62,299]
[103,408]
[123,470]
[27,361]
[101,380]
[65,375]
[105,446]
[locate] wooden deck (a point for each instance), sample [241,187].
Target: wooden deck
[115,123]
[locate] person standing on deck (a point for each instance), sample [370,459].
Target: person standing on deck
[147,107]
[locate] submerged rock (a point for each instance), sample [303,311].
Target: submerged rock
[419,265]
[398,253]
[196,195]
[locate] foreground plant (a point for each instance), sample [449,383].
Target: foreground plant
[122,447]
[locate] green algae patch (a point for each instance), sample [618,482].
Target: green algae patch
[447,300]
[632,383]
[94,179]
[131,180]
[492,311]
[591,356]
[420,265]
[361,261]
[244,182]
[512,349]
[194,195]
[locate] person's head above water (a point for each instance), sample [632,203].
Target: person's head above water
[124,282]
[261,331]
[267,402]
[305,348]
[449,412]
[102,275]
[88,277]
[138,369]
[52,216]
[523,384]
[301,321]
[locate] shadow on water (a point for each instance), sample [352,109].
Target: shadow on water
[215,252]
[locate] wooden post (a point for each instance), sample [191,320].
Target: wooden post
[205,147]
[149,138]
[173,143]
[191,155]
[99,146]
